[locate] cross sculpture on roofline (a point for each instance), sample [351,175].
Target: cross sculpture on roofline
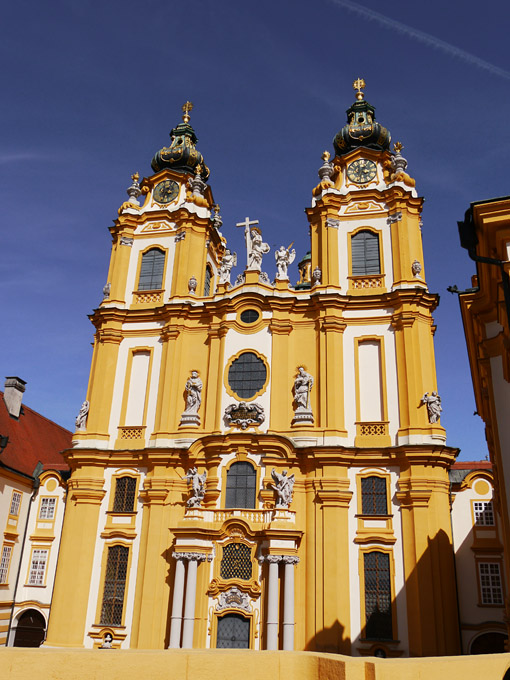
[255,248]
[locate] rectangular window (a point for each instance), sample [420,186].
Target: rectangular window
[4,563]
[490,582]
[378,619]
[373,496]
[15,504]
[47,509]
[484,513]
[114,586]
[38,568]
[124,500]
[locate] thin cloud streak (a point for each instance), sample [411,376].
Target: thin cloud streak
[422,37]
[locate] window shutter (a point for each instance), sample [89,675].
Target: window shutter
[151,270]
[365,254]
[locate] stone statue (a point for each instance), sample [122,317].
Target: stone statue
[316,276]
[256,248]
[107,641]
[434,408]
[303,384]
[193,393]
[284,257]
[81,418]
[197,487]
[192,286]
[193,400]
[284,486]
[106,291]
[228,261]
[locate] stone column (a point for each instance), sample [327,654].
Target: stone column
[288,601]
[272,601]
[178,599]
[191,593]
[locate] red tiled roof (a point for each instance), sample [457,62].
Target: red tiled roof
[472,465]
[32,438]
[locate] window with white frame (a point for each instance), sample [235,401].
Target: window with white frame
[484,513]
[4,562]
[15,504]
[47,509]
[38,567]
[490,582]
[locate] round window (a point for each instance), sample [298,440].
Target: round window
[249,316]
[247,375]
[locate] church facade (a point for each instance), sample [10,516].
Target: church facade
[261,465]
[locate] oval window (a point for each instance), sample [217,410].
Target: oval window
[247,375]
[249,316]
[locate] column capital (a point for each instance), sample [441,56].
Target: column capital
[290,559]
[192,556]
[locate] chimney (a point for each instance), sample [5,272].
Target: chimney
[13,394]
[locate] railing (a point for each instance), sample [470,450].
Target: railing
[132,432]
[374,281]
[149,296]
[251,516]
[371,429]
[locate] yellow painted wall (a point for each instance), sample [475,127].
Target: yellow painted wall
[46,664]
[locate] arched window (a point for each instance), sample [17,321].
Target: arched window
[233,632]
[151,270]
[114,585]
[207,280]
[365,254]
[378,619]
[124,500]
[373,496]
[241,480]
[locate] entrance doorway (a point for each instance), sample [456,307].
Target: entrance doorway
[233,632]
[30,629]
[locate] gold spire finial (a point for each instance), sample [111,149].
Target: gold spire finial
[216,208]
[326,156]
[188,106]
[357,85]
[135,177]
[397,147]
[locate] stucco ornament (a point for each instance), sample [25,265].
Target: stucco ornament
[81,418]
[134,190]
[284,486]
[106,290]
[107,641]
[193,389]
[228,261]
[243,415]
[434,408]
[316,276]
[303,384]
[197,482]
[416,269]
[192,286]
[284,256]
[234,598]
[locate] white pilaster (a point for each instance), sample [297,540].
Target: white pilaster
[272,601]
[177,601]
[288,602]
[191,593]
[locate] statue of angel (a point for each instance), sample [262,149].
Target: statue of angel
[284,257]
[197,487]
[228,261]
[256,248]
[284,486]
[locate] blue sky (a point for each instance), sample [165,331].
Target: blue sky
[91,90]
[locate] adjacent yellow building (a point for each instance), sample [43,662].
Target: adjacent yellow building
[261,465]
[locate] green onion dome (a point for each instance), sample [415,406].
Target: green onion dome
[362,130]
[182,154]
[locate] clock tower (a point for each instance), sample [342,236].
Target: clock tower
[259,464]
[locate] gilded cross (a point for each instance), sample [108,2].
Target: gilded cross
[358,84]
[188,106]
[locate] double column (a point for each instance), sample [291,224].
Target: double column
[177,620]
[273,620]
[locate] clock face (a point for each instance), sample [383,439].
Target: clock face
[361,171]
[166,191]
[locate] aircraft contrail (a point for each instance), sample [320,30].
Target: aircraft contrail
[422,37]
